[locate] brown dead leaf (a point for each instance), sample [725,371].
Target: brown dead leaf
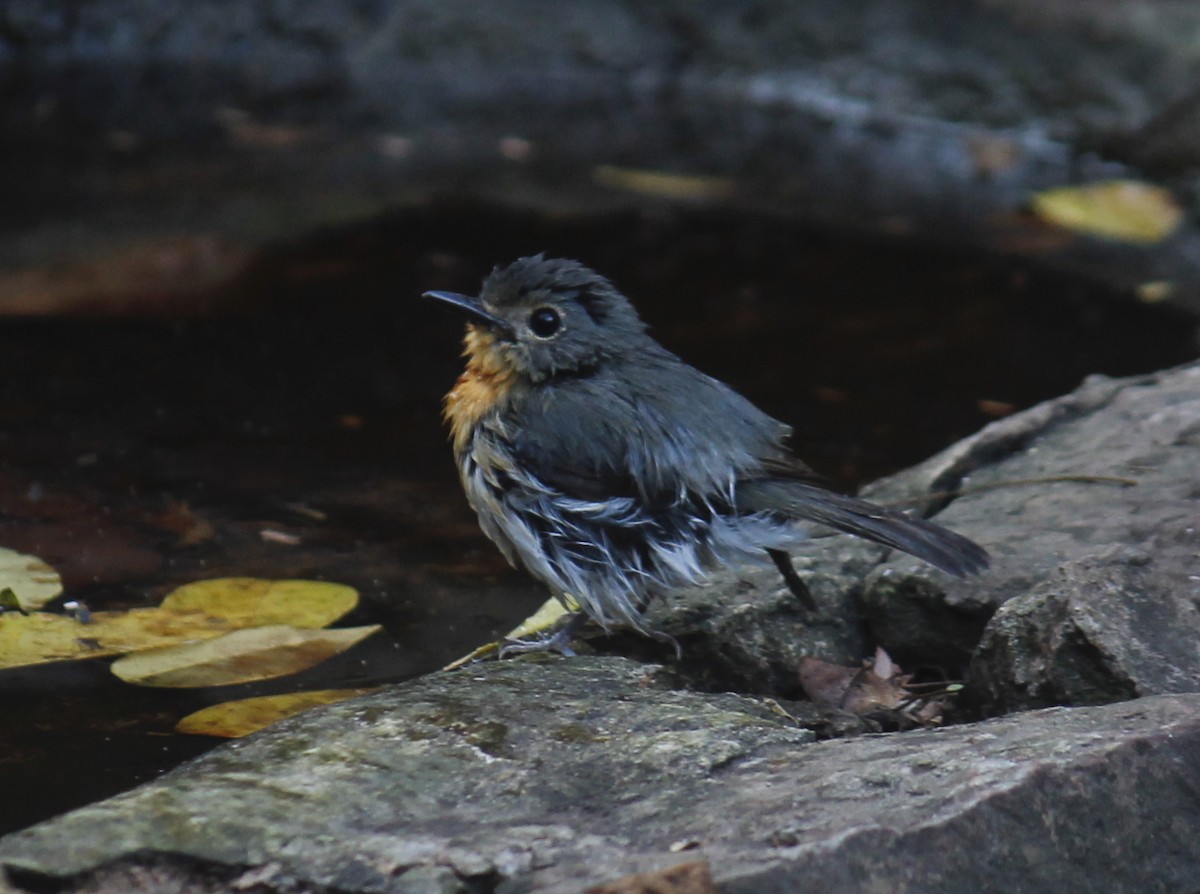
[684,878]
[879,687]
[180,520]
[825,683]
[992,154]
[995,408]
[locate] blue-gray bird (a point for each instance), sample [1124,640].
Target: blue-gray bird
[612,470]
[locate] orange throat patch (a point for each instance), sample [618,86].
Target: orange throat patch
[482,387]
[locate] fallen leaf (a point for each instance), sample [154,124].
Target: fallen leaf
[664,184]
[32,581]
[992,154]
[995,408]
[257,653]
[9,601]
[243,130]
[825,683]
[879,688]
[184,523]
[1123,210]
[41,637]
[192,613]
[255,602]
[239,718]
[547,615]
[684,878]
[1154,291]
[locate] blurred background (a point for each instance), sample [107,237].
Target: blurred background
[887,222]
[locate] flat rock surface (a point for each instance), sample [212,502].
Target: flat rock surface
[1100,584]
[434,786]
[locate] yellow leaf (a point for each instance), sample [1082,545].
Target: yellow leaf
[544,618]
[190,614]
[664,184]
[1154,291]
[32,581]
[253,602]
[257,653]
[40,637]
[1124,210]
[248,715]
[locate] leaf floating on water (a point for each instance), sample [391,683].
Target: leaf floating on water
[41,637]
[191,614]
[257,653]
[664,184]
[32,581]
[1124,210]
[254,602]
[9,601]
[239,718]
[180,519]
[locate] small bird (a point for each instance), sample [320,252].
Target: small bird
[612,470]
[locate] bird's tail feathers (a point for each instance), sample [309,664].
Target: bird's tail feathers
[939,546]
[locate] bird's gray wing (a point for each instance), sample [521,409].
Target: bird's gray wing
[656,429]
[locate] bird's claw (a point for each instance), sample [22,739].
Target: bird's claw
[558,640]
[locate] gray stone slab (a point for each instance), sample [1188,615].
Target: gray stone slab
[552,776]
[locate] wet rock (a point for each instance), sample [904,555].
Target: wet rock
[1099,484]
[557,775]
[1089,506]
[1103,629]
[747,631]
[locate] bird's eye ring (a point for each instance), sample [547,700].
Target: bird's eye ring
[545,322]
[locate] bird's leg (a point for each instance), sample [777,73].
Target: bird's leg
[783,561]
[559,640]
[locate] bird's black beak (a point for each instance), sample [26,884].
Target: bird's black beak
[473,309]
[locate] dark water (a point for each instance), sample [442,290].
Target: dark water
[306,401]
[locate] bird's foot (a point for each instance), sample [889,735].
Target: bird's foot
[558,640]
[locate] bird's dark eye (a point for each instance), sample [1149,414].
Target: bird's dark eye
[544,322]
